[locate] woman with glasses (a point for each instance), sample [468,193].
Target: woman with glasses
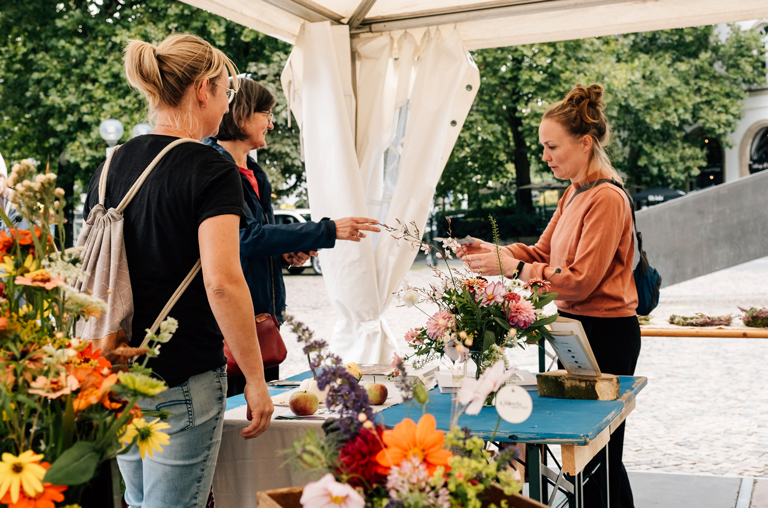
[262,242]
[188,209]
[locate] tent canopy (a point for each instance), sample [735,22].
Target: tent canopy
[485,23]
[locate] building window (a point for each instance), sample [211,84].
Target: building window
[758,152]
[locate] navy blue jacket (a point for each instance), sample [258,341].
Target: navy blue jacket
[262,241]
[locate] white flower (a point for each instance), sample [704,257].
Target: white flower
[411,298]
[328,493]
[473,392]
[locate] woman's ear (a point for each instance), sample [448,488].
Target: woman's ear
[586,143]
[201,92]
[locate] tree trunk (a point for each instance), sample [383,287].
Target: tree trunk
[522,164]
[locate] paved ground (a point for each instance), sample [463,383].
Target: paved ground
[704,410]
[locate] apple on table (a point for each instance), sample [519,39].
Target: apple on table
[303,403]
[377,392]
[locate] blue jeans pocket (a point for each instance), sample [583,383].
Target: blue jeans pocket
[178,402]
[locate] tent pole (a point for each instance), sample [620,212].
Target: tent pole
[360,13]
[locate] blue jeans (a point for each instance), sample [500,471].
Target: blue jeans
[181,475]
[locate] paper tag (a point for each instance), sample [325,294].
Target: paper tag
[514,404]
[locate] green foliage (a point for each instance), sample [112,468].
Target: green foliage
[61,75]
[75,466]
[665,90]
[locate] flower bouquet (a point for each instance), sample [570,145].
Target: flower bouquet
[477,318]
[64,410]
[412,465]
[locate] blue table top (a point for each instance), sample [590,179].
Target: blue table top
[553,421]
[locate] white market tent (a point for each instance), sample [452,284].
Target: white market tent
[380,90]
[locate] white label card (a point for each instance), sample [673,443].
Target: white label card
[514,404]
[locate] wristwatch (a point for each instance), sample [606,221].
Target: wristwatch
[519,270]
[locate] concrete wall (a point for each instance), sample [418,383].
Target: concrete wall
[708,230]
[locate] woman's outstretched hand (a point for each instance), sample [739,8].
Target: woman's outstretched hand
[476,247]
[351,228]
[487,262]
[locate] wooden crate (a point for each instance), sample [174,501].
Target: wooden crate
[290,498]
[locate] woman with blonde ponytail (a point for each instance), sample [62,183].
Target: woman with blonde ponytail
[589,239]
[189,208]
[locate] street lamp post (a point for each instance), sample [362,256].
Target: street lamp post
[141,129]
[111,131]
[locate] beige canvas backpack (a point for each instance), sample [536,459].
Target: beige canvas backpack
[106,266]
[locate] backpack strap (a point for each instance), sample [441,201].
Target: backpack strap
[137,185]
[585,188]
[124,203]
[172,301]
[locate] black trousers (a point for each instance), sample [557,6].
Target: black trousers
[616,345]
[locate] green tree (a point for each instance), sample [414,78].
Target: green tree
[61,74]
[664,91]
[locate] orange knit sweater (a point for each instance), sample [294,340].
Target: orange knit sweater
[592,242]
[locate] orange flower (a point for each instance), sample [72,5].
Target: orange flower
[24,236]
[93,391]
[91,359]
[6,242]
[407,440]
[42,278]
[48,498]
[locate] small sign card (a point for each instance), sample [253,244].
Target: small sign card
[514,404]
[572,347]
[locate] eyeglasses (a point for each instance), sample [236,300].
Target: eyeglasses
[229,92]
[270,116]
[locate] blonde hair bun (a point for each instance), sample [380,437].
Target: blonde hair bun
[164,73]
[586,99]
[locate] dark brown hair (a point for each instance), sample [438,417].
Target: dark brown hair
[251,98]
[581,114]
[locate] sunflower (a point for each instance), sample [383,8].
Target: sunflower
[149,437]
[22,472]
[407,441]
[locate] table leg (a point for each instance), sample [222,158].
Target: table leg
[535,480]
[605,475]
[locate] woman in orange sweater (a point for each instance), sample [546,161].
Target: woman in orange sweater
[590,238]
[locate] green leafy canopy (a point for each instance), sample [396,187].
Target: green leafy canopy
[664,92]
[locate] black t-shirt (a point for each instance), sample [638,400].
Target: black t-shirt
[192,183]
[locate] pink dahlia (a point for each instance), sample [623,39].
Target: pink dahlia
[521,313]
[492,293]
[439,323]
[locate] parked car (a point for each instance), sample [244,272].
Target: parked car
[292,216]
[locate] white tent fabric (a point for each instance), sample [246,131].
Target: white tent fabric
[486,23]
[378,125]
[413,97]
